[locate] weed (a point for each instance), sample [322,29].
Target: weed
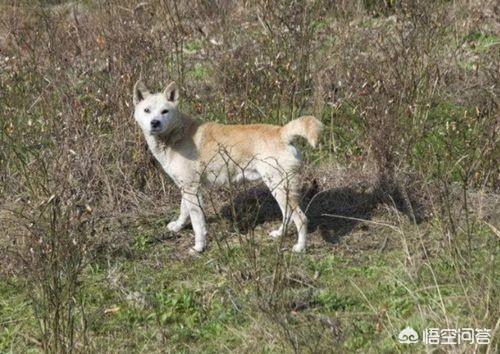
[402,195]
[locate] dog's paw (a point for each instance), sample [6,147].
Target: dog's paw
[276,233]
[298,248]
[196,250]
[194,253]
[174,226]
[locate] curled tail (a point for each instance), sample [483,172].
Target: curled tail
[307,127]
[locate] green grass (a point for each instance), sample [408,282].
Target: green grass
[145,294]
[16,317]
[480,41]
[152,299]
[477,44]
[193,45]
[199,72]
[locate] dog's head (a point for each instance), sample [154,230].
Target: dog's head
[155,112]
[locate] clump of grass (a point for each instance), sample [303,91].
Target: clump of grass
[408,93]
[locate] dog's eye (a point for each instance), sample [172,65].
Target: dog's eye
[165,111]
[147,110]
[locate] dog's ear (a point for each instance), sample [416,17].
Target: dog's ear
[140,91]
[171,92]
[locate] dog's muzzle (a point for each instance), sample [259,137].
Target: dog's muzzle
[155,124]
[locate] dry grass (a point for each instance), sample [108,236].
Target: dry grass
[404,187]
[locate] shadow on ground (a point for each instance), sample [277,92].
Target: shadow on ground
[334,212]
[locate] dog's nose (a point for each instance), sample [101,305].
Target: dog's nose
[155,123]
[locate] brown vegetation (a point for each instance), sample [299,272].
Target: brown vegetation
[407,91]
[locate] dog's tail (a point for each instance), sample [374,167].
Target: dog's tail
[307,127]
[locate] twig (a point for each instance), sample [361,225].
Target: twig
[362,220]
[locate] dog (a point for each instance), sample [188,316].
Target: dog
[195,153]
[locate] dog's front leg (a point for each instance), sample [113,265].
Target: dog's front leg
[183,218]
[195,206]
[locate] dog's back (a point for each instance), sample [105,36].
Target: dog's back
[254,144]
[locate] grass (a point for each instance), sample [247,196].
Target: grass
[402,194]
[480,41]
[156,297]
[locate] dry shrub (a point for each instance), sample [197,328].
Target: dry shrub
[394,91]
[53,241]
[254,58]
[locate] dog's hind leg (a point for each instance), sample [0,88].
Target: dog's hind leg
[183,218]
[284,192]
[289,203]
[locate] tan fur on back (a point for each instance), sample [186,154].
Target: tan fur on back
[243,142]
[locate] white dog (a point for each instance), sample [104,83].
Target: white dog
[193,153]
